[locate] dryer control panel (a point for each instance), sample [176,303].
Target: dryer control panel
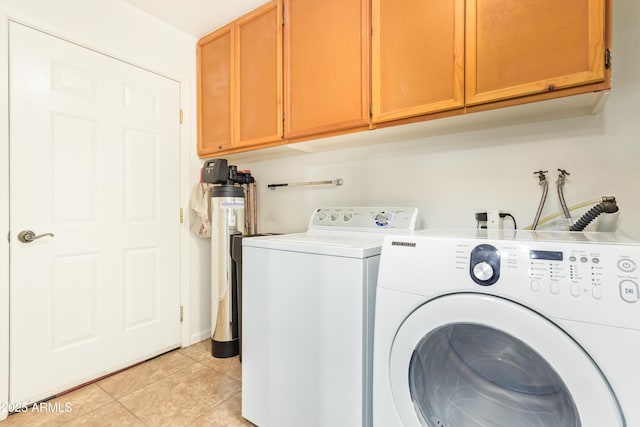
[398,219]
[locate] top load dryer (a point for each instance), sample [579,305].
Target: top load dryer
[308,302]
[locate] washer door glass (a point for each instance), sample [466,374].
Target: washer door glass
[475,360]
[473,375]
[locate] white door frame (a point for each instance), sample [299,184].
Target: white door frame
[185,144]
[4,215]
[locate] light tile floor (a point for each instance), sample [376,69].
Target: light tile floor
[186,387]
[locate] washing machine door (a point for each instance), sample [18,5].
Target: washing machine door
[474,360]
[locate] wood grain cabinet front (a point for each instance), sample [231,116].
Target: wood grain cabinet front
[417,57]
[258,74]
[215,70]
[326,73]
[303,69]
[525,47]
[240,83]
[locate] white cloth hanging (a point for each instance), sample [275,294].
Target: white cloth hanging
[201,210]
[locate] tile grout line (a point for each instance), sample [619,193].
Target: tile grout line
[143,387]
[129,411]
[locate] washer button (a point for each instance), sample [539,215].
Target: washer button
[555,288]
[575,290]
[583,259]
[535,285]
[629,291]
[596,291]
[626,265]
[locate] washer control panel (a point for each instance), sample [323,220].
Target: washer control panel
[577,272]
[364,218]
[563,279]
[584,274]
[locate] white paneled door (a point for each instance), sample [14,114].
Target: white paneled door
[94,161]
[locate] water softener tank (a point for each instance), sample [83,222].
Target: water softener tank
[227,220]
[227,212]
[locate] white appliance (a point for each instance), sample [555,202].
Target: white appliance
[516,329]
[308,303]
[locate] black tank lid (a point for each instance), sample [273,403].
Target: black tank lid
[227,190]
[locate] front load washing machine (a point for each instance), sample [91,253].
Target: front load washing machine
[308,301]
[537,329]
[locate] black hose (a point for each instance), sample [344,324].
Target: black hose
[591,214]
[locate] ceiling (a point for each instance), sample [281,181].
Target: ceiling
[196,17]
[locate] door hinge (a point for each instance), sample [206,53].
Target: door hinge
[607,59]
[181,216]
[181,116]
[181,313]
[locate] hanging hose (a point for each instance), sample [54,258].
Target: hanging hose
[606,206]
[559,186]
[572,208]
[545,189]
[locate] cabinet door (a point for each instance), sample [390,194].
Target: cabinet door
[417,57]
[517,48]
[259,76]
[326,54]
[215,68]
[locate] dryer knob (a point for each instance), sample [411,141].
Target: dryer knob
[483,271]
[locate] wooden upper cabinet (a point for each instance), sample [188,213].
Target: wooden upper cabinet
[215,68]
[259,76]
[417,57]
[240,83]
[523,47]
[326,71]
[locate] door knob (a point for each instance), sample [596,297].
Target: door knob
[28,236]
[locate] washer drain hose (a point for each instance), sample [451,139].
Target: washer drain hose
[602,207]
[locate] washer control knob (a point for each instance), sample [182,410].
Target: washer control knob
[334,217]
[383,218]
[483,271]
[484,265]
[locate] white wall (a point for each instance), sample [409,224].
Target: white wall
[118,29]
